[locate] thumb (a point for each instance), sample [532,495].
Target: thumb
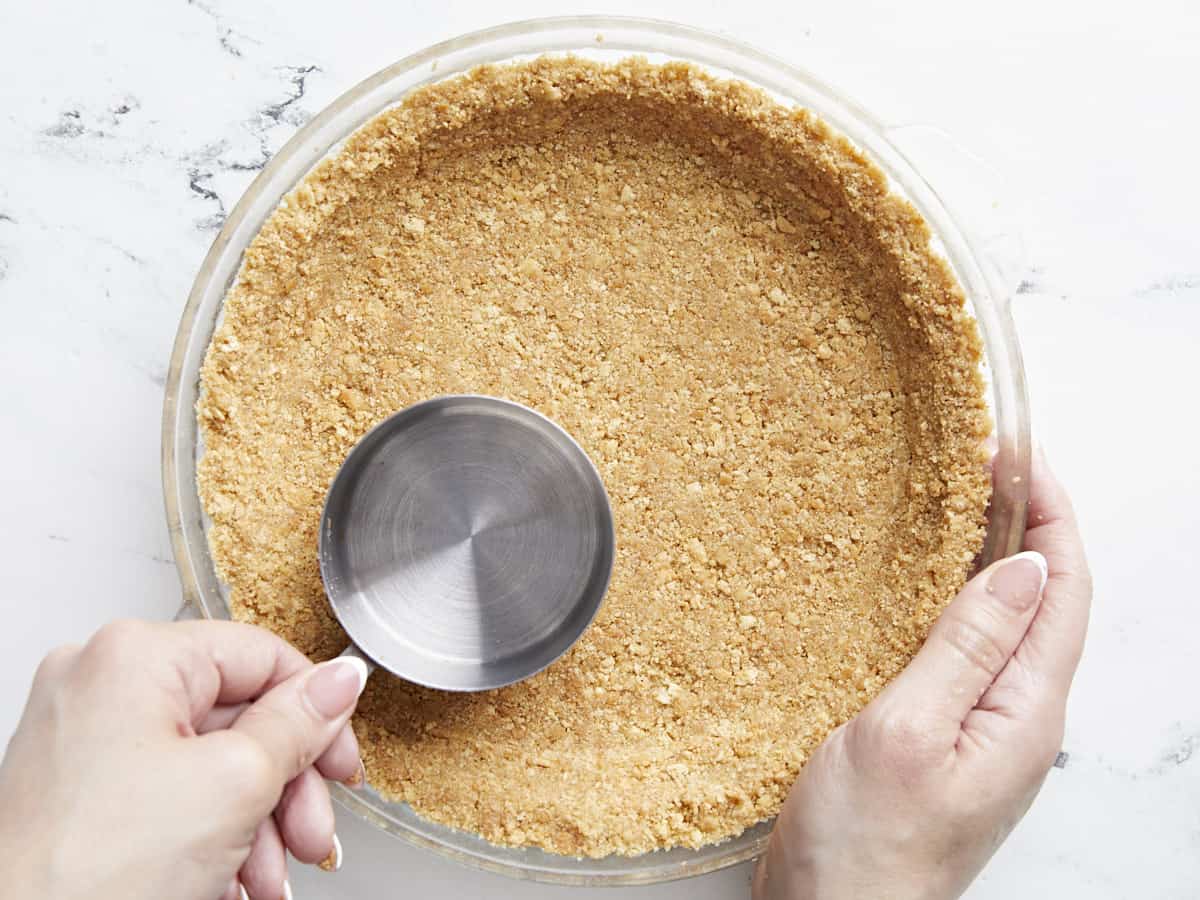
[974,638]
[297,719]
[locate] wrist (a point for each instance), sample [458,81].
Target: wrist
[844,873]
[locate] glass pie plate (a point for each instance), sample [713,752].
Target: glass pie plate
[606,39]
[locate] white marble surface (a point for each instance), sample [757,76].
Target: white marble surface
[128,128]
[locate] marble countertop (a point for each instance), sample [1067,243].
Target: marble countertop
[130,128]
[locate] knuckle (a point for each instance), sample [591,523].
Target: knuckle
[975,644]
[901,733]
[299,759]
[901,742]
[303,752]
[294,731]
[116,639]
[55,663]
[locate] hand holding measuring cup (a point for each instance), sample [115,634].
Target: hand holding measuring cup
[175,760]
[181,760]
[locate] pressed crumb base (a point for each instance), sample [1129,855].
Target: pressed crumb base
[719,299]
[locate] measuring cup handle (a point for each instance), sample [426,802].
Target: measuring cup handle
[353,650]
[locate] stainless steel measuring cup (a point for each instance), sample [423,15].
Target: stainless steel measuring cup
[466,543]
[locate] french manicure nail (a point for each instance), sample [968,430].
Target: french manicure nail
[334,685]
[242,892]
[333,861]
[1018,581]
[287,890]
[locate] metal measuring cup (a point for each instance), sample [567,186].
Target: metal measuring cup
[466,543]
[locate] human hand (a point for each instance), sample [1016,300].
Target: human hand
[913,796]
[175,761]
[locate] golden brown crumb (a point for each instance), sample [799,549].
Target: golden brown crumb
[720,299]
[332,860]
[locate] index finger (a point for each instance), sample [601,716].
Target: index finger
[233,662]
[1054,642]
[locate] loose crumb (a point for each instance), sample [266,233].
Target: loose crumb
[750,336]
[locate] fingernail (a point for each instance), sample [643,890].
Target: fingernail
[1018,580]
[359,776]
[334,685]
[287,890]
[242,892]
[333,861]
